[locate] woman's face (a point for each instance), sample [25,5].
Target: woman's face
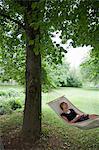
[65,106]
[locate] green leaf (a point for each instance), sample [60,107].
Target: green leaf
[34,5]
[31,42]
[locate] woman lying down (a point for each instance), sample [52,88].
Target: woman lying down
[71,116]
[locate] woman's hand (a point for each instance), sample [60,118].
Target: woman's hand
[78,117]
[84,115]
[75,119]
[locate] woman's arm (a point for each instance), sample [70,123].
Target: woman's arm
[65,118]
[75,119]
[78,117]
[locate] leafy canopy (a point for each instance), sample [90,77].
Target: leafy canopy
[77,19]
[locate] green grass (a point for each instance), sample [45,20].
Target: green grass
[85,99]
[72,138]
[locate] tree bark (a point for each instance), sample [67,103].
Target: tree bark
[32,110]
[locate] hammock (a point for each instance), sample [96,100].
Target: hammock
[87,124]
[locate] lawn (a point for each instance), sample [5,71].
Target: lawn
[56,135]
[85,99]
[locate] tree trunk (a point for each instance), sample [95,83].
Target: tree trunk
[32,111]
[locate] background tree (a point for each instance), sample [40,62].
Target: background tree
[90,67]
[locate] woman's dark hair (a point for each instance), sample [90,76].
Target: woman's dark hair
[61,105]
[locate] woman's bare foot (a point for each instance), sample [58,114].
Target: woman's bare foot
[93,116]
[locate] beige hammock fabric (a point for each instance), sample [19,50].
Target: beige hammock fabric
[87,124]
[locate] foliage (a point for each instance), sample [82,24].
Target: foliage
[9,106]
[90,67]
[2,93]
[73,82]
[15,104]
[84,25]
[59,75]
[11,98]
[9,93]
[5,109]
[54,75]
[74,79]
[76,19]
[13,65]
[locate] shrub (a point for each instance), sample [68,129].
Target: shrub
[2,111]
[73,82]
[15,104]
[10,93]
[2,93]
[13,93]
[54,76]
[5,109]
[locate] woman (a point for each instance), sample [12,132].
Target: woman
[71,116]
